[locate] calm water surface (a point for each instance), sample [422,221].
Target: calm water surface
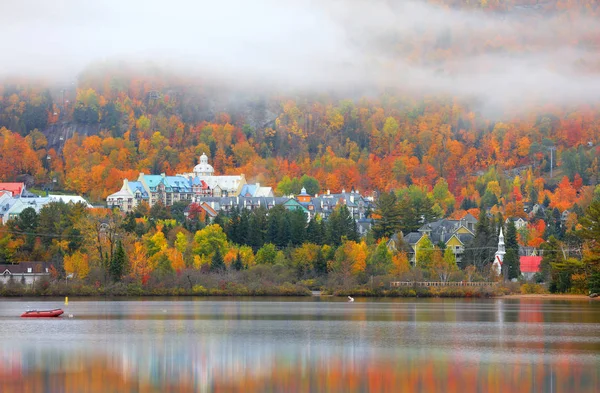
[302,345]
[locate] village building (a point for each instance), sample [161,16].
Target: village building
[130,195]
[256,191]
[518,221]
[29,272]
[453,234]
[12,189]
[209,184]
[530,265]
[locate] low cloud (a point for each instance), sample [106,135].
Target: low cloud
[515,58]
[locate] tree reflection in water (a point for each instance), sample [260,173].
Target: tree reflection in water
[79,371]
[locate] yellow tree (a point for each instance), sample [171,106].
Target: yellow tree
[140,264]
[400,263]
[77,265]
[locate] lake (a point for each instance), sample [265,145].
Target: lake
[302,345]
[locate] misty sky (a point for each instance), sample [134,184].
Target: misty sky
[312,43]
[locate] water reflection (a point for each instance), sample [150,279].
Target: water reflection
[490,346]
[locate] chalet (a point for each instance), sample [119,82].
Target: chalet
[28,271]
[454,234]
[518,221]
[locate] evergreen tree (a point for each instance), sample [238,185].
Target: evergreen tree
[25,225]
[159,211]
[320,264]
[511,258]
[550,255]
[244,227]
[591,233]
[480,251]
[313,232]
[58,261]
[217,264]
[389,216]
[237,264]
[232,229]
[118,262]
[257,228]
[340,225]
[164,267]
[297,227]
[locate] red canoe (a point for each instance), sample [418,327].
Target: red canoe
[42,314]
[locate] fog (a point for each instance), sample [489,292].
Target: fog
[413,46]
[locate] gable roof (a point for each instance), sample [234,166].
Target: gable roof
[14,188]
[21,268]
[68,199]
[530,264]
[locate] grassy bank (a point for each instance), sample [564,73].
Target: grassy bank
[124,290]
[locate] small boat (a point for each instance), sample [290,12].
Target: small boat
[42,313]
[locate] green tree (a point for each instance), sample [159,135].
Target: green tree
[314,231]
[311,184]
[340,225]
[389,216]
[480,251]
[210,239]
[118,263]
[320,264]
[511,258]
[424,253]
[590,232]
[237,264]
[380,262]
[266,254]
[217,264]
[25,226]
[297,227]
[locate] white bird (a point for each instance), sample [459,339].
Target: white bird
[350,299]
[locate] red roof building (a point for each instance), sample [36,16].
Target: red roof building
[530,265]
[15,189]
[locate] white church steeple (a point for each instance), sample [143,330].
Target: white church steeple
[499,257]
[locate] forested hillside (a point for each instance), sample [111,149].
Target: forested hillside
[434,112]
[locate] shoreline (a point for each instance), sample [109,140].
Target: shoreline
[548,296]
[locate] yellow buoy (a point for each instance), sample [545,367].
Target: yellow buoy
[66,300]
